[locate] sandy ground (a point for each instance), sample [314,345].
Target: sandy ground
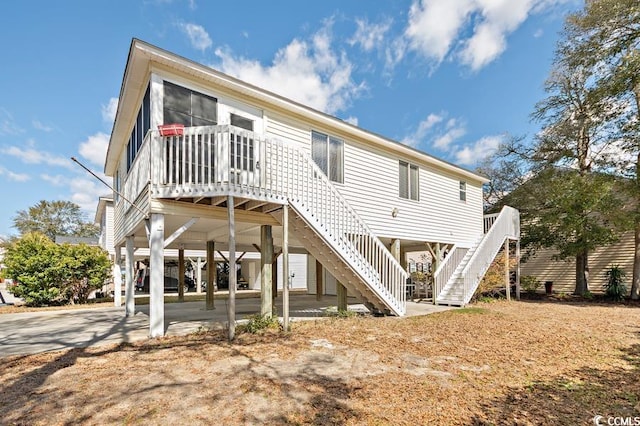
[497,363]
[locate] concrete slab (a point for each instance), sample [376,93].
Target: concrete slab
[34,332]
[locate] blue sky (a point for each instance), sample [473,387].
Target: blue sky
[451,78]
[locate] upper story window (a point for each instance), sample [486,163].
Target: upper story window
[140,128]
[409,183]
[185,106]
[328,153]
[463,190]
[242,122]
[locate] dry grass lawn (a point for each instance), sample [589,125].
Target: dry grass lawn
[497,363]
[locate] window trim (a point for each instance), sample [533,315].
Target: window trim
[410,187]
[463,191]
[330,140]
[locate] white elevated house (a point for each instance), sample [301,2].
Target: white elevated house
[254,171]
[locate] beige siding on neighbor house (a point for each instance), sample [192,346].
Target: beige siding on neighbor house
[563,273]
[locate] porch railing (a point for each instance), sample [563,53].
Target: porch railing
[213,159]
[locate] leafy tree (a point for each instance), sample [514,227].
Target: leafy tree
[53,218]
[565,202]
[46,273]
[606,38]
[83,269]
[32,263]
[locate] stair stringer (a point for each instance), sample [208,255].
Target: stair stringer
[343,266]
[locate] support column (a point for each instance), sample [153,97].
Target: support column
[266,268]
[395,249]
[403,259]
[129,290]
[319,281]
[117,277]
[274,278]
[211,274]
[156,276]
[199,275]
[518,269]
[233,279]
[438,258]
[342,296]
[181,272]
[285,267]
[506,269]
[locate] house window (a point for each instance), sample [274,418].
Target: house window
[185,106]
[140,128]
[242,147]
[328,153]
[408,177]
[463,191]
[243,123]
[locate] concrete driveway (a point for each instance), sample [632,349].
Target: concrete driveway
[33,332]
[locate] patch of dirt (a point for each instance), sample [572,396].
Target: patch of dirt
[496,363]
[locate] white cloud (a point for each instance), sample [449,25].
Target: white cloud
[434,25]
[539,33]
[440,29]
[479,150]
[198,36]
[57,180]
[35,156]
[309,72]
[414,139]
[109,110]
[454,130]
[352,120]
[94,148]
[369,35]
[37,124]
[8,125]
[85,192]
[500,18]
[16,177]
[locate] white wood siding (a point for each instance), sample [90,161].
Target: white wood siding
[371,186]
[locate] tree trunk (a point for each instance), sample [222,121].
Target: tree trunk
[582,273]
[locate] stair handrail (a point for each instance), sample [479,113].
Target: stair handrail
[352,233]
[447,268]
[506,225]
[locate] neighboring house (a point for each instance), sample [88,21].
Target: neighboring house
[544,267]
[63,239]
[251,166]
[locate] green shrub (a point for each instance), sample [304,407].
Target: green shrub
[615,287]
[45,273]
[259,322]
[529,283]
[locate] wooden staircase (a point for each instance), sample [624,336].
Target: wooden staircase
[460,284]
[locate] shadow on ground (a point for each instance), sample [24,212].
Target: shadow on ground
[572,399]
